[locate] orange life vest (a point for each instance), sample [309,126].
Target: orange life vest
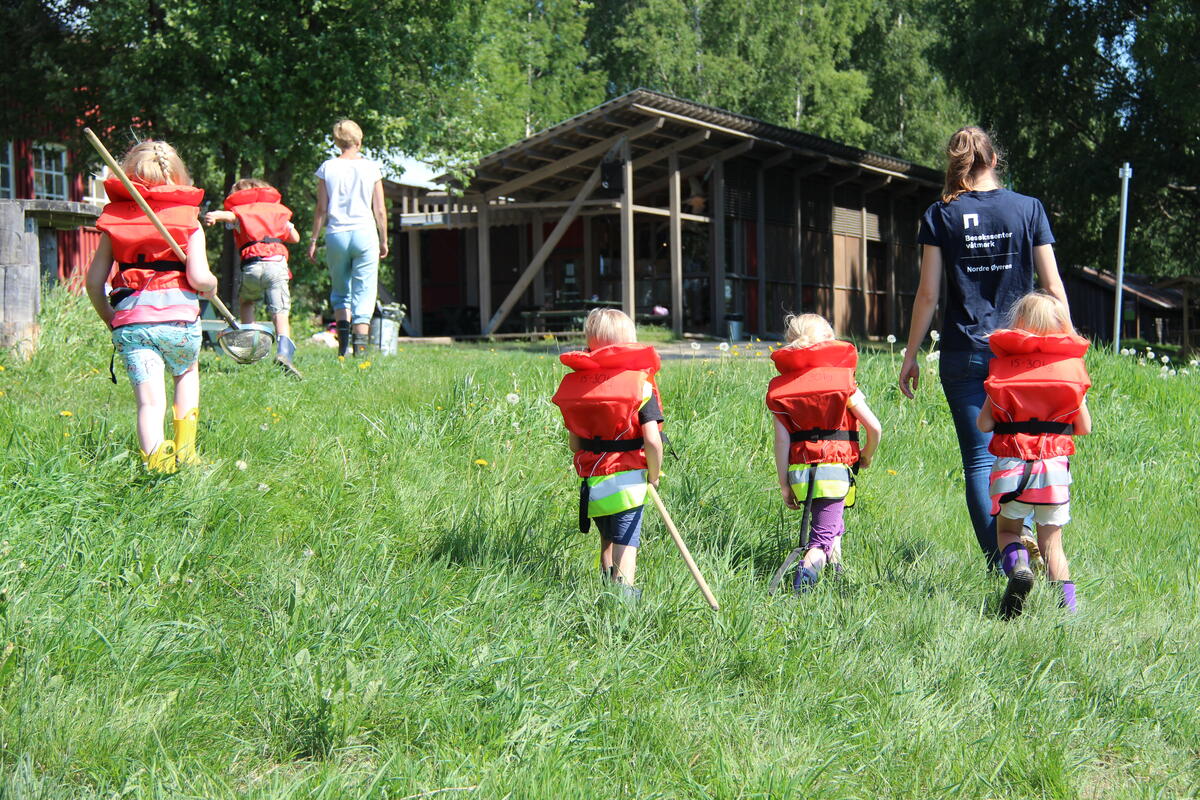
[600,401]
[809,397]
[151,284]
[1036,385]
[262,223]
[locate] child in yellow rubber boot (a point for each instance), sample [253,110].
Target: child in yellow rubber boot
[153,309]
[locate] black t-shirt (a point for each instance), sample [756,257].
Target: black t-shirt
[651,411]
[987,241]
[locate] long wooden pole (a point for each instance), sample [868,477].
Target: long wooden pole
[149,212]
[683,550]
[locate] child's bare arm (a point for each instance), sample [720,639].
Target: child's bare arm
[97,274]
[574,442]
[863,413]
[213,217]
[292,236]
[986,421]
[1083,422]
[783,447]
[652,443]
[198,273]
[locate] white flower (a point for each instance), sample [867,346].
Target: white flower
[1194,362]
[1149,353]
[262,487]
[1184,372]
[1163,368]
[695,345]
[935,335]
[1141,362]
[1172,372]
[1165,359]
[903,352]
[934,356]
[241,465]
[1125,351]
[723,347]
[891,339]
[513,398]
[308,552]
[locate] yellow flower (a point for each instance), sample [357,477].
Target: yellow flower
[891,472]
[66,435]
[1,368]
[480,462]
[1,393]
[364,365]
[341,358]
[399,349]
[95,371]
[439,408]
[65,414]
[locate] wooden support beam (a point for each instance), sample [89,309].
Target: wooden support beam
[589,258]
[485,267]
[811,168]
[876,184]
[414,282]
[760,247]
[778,159]
[700,167]
[542,254]
[846,177]
[798,241]
[539,277]
[717,255]
[676,243]
[628,244]
[666,212]
[655,156]
[593,151]
[890,266]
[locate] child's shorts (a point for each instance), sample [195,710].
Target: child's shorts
[147,347]
[266,280]
[623,528]
[1042,514]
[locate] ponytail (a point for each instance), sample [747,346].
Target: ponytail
[968,154]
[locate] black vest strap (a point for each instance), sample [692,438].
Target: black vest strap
[823,435]
[157,266]
[611,445]
[1035,426]
[264,240]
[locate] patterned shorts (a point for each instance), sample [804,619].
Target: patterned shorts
[147,347]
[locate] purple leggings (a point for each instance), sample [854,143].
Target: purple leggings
[827,523]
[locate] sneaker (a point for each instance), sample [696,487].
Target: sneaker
[1019,584]
[1035,555]
[805,580]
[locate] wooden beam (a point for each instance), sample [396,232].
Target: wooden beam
[811,168]
[485,267]
[542,254]
[692,121]
[717,256]
[846,177]
[777,159]
[589,258]
[877,184]
[539,278]
[628,245]
[701,166]
[798,241]
[666,212]
[414,282]
[890,266]
[676,243]
[676,147]
[760,247]
[593,151]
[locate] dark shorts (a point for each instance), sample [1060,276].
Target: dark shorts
[623,528]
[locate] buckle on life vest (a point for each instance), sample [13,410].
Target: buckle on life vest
[612,445]
[823,435]
[1035,427]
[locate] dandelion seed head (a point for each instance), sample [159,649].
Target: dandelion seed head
[241,465]
[935,335]
[723,347]
[262,487]
[891,339]
[933,356]
[513,398]
[695,345]
[1166,359]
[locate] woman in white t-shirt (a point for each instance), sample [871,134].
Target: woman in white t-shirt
[350,201]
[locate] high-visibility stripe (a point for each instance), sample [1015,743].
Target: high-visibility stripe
[621,491]
[1007,472]
[830,481]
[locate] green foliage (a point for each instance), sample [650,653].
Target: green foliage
[364,611]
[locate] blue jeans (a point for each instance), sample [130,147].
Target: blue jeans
[963,373]
[353,258]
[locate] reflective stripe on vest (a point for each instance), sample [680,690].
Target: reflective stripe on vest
[612,494]
[1042,475]
[831,481]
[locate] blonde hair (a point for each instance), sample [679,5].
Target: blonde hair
[250,183]
[605,326]
[1041,313]
[969,152]
[803,330]
[347,134]
[155,163]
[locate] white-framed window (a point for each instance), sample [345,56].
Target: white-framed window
[93,189]
[8,189]
[50,172]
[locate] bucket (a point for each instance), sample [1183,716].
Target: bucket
[384,335]
[735,328]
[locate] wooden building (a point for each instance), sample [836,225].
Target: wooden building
[654,203]
[1155,314]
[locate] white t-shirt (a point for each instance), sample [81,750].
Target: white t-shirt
[350,184]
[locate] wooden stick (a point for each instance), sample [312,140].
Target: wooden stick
[149,212]
[683,549]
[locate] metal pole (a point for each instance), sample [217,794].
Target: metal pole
[1124,173]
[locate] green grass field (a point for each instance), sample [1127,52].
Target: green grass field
[365,610]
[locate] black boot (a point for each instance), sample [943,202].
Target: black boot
[343,337]
[360,344]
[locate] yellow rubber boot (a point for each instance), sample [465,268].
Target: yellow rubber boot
[162,459]
[185,439]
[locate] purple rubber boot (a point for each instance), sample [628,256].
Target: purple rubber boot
[806,578]
[1015,562]
[1068,601]
[1010,556]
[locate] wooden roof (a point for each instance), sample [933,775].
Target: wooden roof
[552,164]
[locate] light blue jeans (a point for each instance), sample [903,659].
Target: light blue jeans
[353,258]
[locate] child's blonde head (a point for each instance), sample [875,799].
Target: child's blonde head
[1042,314]
[605,326]
[250,183]
[347,134]
[155,163]
[806,329]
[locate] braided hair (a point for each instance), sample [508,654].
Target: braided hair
[155,162]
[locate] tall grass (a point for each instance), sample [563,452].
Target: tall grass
[365,611]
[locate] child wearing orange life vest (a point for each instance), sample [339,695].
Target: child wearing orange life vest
[262,229]
[154,307]
[1035,403]
[817,407]
[611,407]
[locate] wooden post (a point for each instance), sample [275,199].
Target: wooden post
[862,265]
[20,282]
[414,281]
[676,246]
[718,246]
[539,278]
[798,240]
[589,257]
[890,266]
[628,245]
[485,267]
[1187,334]
[760,254]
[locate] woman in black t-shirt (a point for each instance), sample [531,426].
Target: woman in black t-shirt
[989,242]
